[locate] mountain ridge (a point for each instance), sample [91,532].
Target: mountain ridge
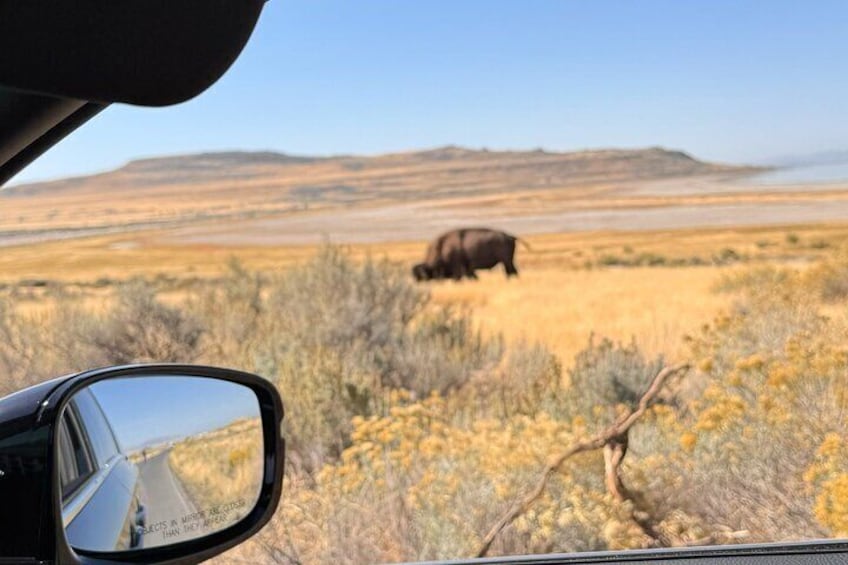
[239,185]
[236,164]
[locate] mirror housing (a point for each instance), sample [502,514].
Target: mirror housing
[31,514]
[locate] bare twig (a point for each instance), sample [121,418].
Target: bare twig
[617,430]
[719,537]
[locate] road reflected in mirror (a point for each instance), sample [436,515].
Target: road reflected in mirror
[157,460]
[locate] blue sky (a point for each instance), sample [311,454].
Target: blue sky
[147,409]
[734,81]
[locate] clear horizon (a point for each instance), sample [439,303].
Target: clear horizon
[726,82]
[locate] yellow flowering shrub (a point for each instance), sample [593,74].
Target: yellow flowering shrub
[747,447]
[828,477]
[769,389]
[444,484]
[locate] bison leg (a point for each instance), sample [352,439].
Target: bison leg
[455,272]
[468,270]
[442,271]
[510,269]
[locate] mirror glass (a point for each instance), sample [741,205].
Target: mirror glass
[157,460]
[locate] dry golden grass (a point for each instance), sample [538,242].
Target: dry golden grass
[656,307]
[557,300]
[119,257]
[222,467]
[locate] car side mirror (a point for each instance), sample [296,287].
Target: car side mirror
[150,463]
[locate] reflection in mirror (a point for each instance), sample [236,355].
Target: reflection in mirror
[156,460]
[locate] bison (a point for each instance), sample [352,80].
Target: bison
[457,253]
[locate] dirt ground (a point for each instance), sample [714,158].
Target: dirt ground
[414,222]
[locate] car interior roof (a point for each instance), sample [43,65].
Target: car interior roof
[30,124]
[72,58]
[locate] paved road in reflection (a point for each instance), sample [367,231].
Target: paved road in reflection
[165,500]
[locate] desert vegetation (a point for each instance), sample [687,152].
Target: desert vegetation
[448,420]
[222,467]
[605,450]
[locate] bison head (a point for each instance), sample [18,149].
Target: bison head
[422,272]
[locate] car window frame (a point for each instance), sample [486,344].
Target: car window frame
[88,407]
[71,421]
[84,488]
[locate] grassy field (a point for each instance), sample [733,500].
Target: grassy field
[651,286]
[118,257]
[221,467]
[561,308]
[392,407]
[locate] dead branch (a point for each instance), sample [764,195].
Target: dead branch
[614,451]
[617,430]
[719,538]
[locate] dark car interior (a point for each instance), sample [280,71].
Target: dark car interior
[74,58]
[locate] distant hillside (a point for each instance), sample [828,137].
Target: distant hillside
[232,185]
[200,167]
[450,169]
[203,162]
